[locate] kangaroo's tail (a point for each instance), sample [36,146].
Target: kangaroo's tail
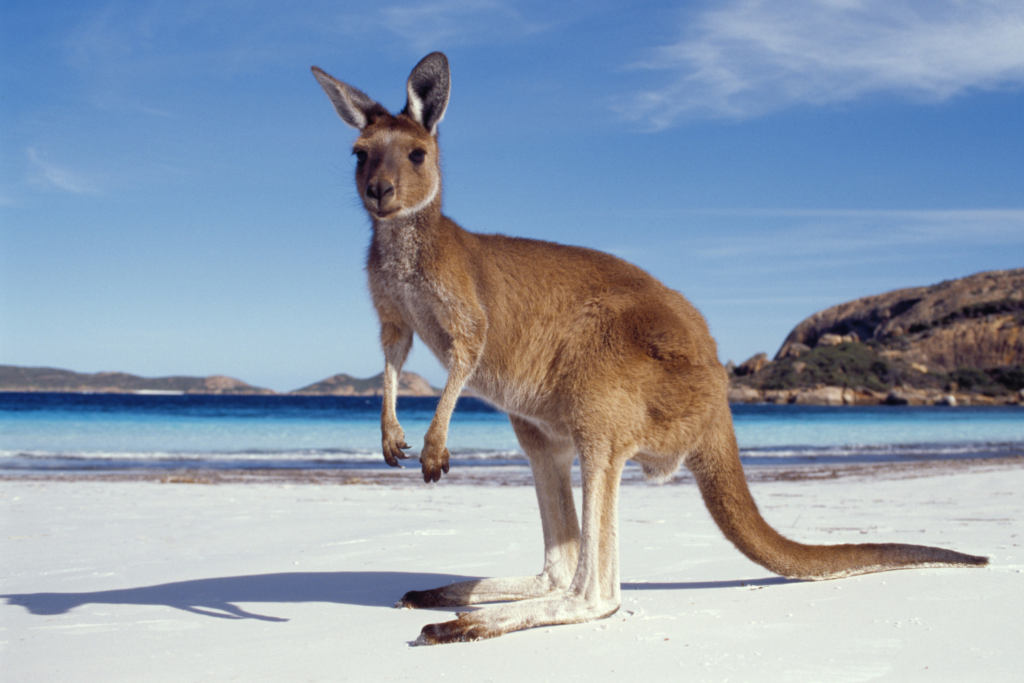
[724,487]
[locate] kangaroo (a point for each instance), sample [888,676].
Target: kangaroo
[590,357]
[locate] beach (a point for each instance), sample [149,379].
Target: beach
[184,576]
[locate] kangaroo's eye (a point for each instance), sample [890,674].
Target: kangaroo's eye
[360,156]
[416,156]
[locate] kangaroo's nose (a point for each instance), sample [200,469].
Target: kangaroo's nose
[379,189]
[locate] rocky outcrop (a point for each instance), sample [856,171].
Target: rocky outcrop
[752,365]
[973,322]
[959,342]
[14,378]
[409,384]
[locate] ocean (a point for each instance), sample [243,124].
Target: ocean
[89,432]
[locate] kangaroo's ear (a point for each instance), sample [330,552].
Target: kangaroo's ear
[428,88]
[353,106]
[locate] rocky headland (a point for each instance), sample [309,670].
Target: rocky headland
[960,342]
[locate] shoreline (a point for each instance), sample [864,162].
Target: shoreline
[513,475]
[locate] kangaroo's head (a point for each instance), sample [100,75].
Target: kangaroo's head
[398,171]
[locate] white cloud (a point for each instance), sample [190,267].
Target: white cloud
[443,23]
[49,175]
[756,56]
[822,239]
[786,240]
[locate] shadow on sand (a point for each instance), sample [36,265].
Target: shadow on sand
[218,597]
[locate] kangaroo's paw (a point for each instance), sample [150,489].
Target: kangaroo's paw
[433,461]
[461,630]
[392,443]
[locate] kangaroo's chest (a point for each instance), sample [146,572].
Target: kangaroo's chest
[419,300]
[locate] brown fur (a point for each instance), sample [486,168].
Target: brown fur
[590,356]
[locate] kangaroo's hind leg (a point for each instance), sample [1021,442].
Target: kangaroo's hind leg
[594,592]
[551,461]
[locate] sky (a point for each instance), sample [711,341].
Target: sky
[176,192]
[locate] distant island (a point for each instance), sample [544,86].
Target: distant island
[409,384]
[960,342]
[15,378]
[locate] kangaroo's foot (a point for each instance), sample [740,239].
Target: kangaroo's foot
[491,622]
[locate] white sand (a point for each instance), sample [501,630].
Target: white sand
[141,581]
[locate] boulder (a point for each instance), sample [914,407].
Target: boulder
[896,398]
[794,350]
[752,365]
[819,396]
[904,396]
[829,339]
[778,396]
[742,394]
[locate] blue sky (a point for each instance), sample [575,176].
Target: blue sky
[176,193]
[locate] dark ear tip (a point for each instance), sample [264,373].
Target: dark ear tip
[435,60]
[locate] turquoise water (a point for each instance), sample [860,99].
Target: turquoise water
[99,431]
